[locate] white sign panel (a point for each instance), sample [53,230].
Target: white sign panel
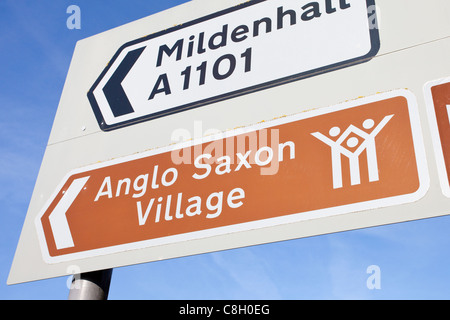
[356,149]
[246,48]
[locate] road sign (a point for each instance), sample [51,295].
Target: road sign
[316,164]
[437,94]
[109,199]
[250,47]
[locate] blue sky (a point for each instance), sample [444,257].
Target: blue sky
[36,50]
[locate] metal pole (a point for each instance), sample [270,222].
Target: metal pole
[91,285]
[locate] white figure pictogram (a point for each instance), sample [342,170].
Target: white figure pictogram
[338,149]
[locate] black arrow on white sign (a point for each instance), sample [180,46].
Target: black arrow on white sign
[114,93]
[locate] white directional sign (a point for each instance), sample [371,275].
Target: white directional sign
[233,52]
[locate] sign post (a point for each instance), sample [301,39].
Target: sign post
[91,285]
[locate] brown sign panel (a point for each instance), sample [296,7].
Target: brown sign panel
[437,94]
[359,155]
